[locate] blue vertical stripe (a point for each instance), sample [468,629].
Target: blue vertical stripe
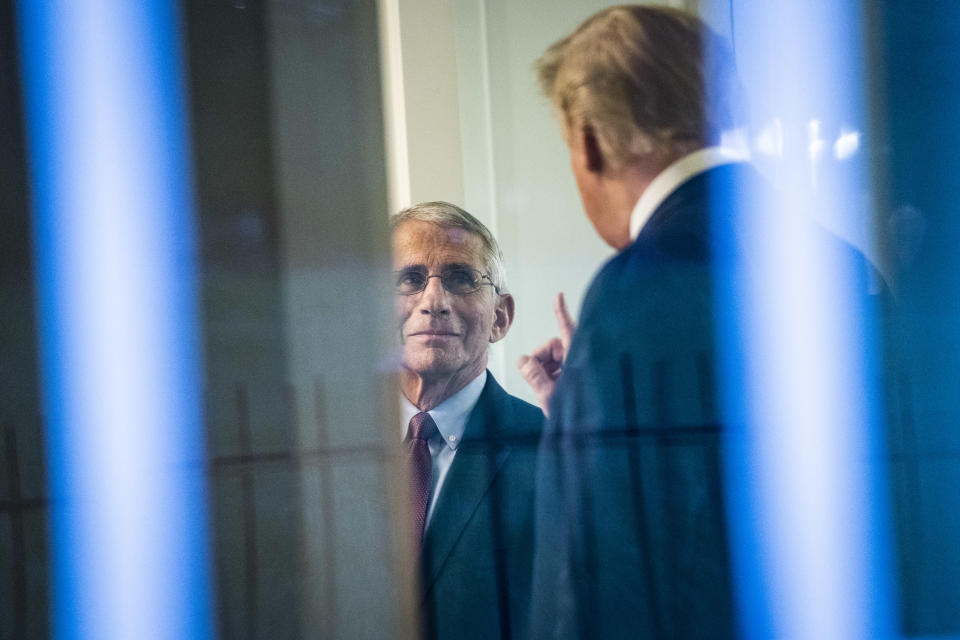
[117,307]
[807,491]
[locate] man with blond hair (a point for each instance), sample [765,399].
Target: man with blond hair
[631,529]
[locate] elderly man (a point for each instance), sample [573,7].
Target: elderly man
[631,531]
[471,444]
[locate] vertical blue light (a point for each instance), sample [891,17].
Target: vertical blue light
[806,487]
[117,306]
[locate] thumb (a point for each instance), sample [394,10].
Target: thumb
[539,380]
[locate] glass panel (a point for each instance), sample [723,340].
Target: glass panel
[312,122]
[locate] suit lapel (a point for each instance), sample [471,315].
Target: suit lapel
[479,457]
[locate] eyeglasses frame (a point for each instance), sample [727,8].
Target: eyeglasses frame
[426,282]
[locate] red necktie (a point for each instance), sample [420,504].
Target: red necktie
[422,428]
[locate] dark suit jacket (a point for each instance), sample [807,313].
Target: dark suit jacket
[631,525]
[631,522]
[477,554]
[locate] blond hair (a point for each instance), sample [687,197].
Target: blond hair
[637,76]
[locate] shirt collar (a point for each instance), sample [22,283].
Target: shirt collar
[672,177]
[450,415]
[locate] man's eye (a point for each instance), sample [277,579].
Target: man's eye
[460,278]
[410,279]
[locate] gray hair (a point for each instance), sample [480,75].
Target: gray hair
[450,216]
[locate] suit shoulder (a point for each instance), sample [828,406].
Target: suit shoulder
[519,418]
[640,277]
[521,426]
[610,279]
[508,415]
[524,412]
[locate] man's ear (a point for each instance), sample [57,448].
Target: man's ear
[591,149]
[502,318]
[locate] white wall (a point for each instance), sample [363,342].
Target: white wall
[516,171]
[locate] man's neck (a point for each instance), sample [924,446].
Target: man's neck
[671,177]
[626,187]
[427,392]
[637,175]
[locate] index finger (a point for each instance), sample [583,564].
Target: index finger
[566,323]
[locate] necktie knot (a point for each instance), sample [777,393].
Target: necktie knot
[422,426]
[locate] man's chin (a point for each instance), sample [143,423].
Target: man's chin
[430,367]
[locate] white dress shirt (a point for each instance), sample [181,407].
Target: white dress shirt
[450,417]
[672,177]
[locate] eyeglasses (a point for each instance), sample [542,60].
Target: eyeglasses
[459,281]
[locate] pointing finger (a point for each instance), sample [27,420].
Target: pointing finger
[566,323]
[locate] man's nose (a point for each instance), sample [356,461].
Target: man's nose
[435,300]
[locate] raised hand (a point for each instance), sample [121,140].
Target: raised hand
[542,367]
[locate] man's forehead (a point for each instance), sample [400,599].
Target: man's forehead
[417,241]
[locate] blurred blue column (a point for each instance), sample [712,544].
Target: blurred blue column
[807,487]
[117,306]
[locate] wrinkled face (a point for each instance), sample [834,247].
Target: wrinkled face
[444,334]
